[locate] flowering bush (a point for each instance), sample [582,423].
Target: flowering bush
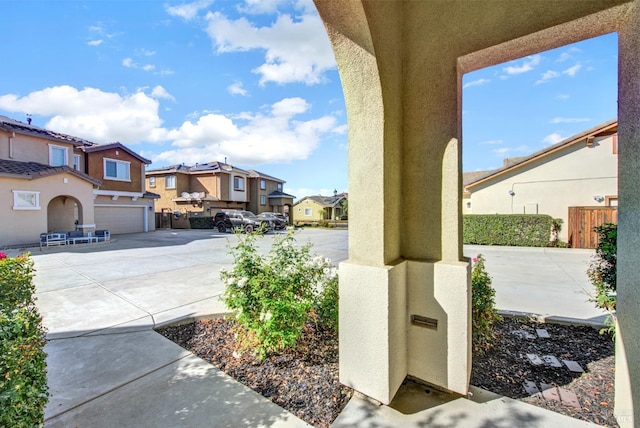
[483,311]
[23,374]
[602,272]
[273,296]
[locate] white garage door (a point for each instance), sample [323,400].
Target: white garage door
[120,219]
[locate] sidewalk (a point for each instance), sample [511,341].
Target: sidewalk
[108,368]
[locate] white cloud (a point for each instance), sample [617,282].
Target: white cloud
[160,92]
[501,151]
[552,139]
[236,89]
[568,54]
[90,113]
[477,82]
[547,75]
[569,120]
[563,97]
[188,11]
[529,64]
[255,138]
[129,63]
[260,6]
[492,142]
[95,42]
[295,51]
[144,52]
[552,74]
[571,71]
[274,135]
[342,129]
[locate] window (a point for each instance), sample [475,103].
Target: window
[238,184]
[24,200]
[76,162]
[279,187]
[58,155]
[263,185]
[263,200]
[116,170]
[152,182]
[307,212]
[170,182]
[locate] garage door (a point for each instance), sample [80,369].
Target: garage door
[120,219]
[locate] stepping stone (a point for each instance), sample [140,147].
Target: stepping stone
[552,361]
[573,366]
[530,387]
[523,334]
[534,359]
[569,398]
[549,392]
[543,333]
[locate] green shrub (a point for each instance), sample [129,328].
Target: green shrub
[201,222]
[23,377]
[524,230]
[483,311]
[602,272]
[274,295]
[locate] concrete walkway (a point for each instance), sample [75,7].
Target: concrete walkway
[108,368]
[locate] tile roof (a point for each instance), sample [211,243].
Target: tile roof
[279,194]
[12,125]
[116,145]
[326,201]
[605,128]
[35,170]
[197,168]
[257,174]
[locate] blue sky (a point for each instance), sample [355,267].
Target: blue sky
[255,82]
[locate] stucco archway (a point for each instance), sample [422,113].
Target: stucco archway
[64,212]
[401,65]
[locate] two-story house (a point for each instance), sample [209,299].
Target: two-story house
[205,188]
[267,195]
[53,182]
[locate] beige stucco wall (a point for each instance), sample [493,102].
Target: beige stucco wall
[300,207]
[571,177]
[24,226]
[29,149]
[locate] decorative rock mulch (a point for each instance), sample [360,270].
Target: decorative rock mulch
[305,381]
[566,369]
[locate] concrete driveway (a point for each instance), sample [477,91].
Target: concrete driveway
[108,368]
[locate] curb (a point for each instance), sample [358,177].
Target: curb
[553,319]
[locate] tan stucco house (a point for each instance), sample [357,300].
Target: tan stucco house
[580,171]
[316,208]
[204,188]
[57,182]
[266,194]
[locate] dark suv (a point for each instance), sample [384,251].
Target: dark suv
[245,221]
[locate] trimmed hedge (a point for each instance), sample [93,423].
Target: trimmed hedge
[520,230]
[23,371]
[201,222]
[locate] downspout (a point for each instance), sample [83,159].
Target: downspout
[11,137]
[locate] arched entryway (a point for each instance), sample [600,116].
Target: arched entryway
[64,213]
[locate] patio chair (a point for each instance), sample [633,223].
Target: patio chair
[102,235]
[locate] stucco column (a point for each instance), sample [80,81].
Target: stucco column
[404,217]
[627,386]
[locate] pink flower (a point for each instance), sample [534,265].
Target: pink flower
[475,260]
[3,255]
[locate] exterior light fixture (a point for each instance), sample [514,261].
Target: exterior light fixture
[511,192]
[598,198]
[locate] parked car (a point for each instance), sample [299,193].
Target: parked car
[278,223]
[245,221]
